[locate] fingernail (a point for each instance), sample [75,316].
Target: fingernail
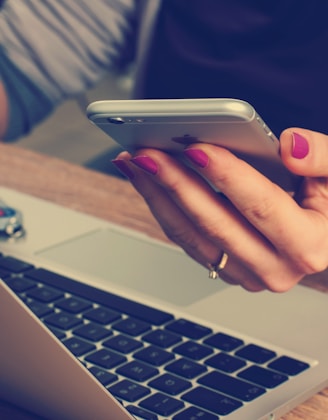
[123,167]
[197,156]
[300,147]
[145,163]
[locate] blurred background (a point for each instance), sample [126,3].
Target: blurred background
[69,135]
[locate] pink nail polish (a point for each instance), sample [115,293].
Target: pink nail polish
[300,147]
[197,156]
[123,167]
[145,163]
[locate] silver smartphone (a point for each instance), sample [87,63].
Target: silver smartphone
[172,124]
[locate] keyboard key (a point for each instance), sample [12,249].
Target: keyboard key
[4,273]
[63,321]
[132,326]
[212,401]
[224,342]
[14,265]
[225,362]
[137,371]
[128,391]
[141,413]
[102,315]
[170,384]
[188,329]
[162,338]
[193,350]
[162,404]
[153,355]
[264,377]
[40,309]
[114,302]
[194,413]
[122,343]
[288,365]
[229,385]
[92,332]
[256,353]
[59,334]
[78,347]
[186,368]
[45,294]
[73,305]
[105,358]
[103,376]
[20,284]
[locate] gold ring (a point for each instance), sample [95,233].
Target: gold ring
[214,269]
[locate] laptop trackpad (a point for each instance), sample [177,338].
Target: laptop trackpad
[136,263]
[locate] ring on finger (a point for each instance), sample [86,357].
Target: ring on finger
[214,269]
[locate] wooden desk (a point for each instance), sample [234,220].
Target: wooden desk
[111,199]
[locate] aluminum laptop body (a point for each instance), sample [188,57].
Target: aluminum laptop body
[39,373]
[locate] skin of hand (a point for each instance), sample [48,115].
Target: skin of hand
[272,239]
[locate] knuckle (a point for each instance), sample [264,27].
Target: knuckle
[281,279]
[174,187]
[219,226]
[200,251]
[260,210]
[185,238]
[312,263]
[224,179]
[282,286]
[253,287]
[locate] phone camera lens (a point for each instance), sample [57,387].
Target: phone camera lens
[116,120]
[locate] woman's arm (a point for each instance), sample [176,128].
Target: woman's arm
[3,111]
[52,50]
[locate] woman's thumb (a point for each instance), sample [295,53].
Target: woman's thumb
[305,152]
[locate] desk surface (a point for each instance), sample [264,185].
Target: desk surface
[114,200]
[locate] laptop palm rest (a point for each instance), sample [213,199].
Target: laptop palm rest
[135,263]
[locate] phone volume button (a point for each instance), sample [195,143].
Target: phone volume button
[267,129]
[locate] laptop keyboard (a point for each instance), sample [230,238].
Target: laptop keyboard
[157,365]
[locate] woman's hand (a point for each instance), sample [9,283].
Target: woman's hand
[272,239]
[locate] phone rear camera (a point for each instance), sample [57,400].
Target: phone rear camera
[116,120]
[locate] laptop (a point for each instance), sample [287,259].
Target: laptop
[102,322]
